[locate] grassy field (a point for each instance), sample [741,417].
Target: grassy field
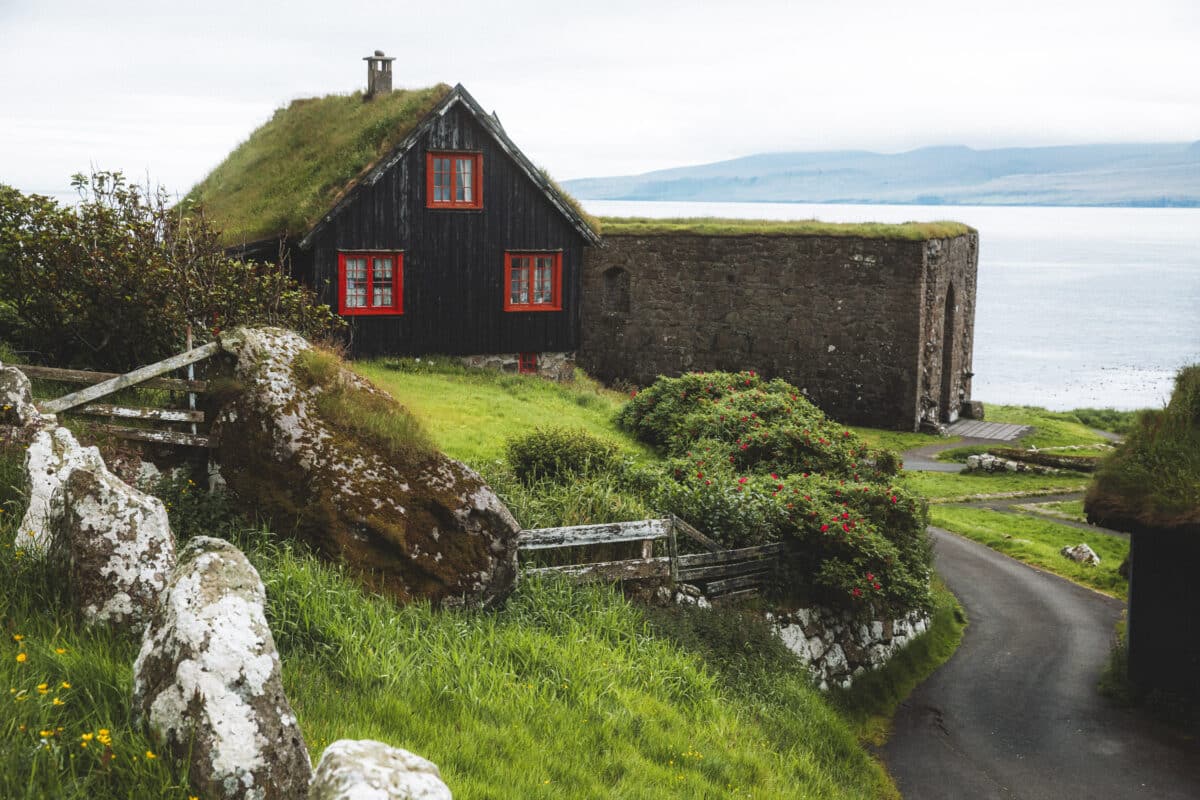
[471,413]
[1052,428]
[944,487]
[1038,541]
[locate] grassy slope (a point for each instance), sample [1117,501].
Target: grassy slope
[715,226]
[1038,541]
[471,413]
[563,693]
[292,168]
[942,487]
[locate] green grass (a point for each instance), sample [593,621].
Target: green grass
[472,413]
[354,411]
[871,703]
[901,440]
[942,487]
[1053,428]
[1038,541]
[1068,509]
[294,167]
[715,226]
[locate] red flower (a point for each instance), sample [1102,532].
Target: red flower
[857,592]
[870,576]
[893,498]
[699,474]
[824,528]
[773,475]
[633,393]
[877,586]
[741,480]
[743,447]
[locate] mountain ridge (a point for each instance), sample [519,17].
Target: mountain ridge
[1137,174]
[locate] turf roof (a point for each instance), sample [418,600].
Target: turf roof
[291,170]
[716,226]
[1152,482]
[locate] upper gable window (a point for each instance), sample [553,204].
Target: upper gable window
[454,180]
[370,283]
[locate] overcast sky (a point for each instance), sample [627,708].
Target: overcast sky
[167,89]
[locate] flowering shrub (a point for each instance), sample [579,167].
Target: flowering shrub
[560,454]
[754,462]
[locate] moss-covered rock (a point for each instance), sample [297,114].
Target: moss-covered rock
[341,464]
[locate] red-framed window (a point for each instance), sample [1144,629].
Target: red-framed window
[453,180]
[370,283]
[527,363]
[532,281]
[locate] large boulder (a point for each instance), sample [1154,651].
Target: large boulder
[118,547]
[412,522]
[368,770]
[52,455]
[207,681]
[1081,554]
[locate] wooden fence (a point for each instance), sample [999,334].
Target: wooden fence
[720,573]
[101,384]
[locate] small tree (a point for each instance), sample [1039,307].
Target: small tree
[115,281]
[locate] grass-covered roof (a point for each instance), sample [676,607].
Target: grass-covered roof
[291,170]
[716,226]
[1152,482]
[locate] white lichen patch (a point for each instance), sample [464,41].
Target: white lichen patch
[118,545]
[370,770]
[49,460]
[207,680]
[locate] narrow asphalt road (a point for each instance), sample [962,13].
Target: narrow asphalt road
[1015,712]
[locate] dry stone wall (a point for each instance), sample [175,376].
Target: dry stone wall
[838,648]
[857,323]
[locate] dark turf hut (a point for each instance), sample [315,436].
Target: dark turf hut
[1151,488]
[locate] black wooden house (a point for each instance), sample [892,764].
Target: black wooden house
[447,240]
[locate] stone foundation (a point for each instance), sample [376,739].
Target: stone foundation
[555,366]
[838,648]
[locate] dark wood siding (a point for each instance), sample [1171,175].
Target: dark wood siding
[454,259]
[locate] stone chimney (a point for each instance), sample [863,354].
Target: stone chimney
[379,74]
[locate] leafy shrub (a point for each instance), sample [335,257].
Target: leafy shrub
[195,511]
[768,426]
[115,281]
[560,454]
[753,462]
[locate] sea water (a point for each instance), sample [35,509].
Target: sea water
[1075,307]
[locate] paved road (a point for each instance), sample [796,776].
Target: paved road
[1015,713]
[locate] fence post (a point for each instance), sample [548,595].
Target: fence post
[191,374]
[673,551]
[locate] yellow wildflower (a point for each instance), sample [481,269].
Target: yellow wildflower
[21,657]
[45,734]
[42,688]
[150,755]
[66,685]
[17,637]
[58,702]
[87,737]
[60,650]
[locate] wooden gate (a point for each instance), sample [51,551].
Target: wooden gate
[102,384]
[720,573]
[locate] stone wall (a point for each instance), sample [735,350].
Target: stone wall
[857,323]
[555,366]
[838,648]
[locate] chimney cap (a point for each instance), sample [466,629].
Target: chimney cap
[379,56]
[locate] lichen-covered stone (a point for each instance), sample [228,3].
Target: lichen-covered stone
[52,455]
[16,398]
[207,681]
[1081,554]
[424,527]
[368,770]
[118,546]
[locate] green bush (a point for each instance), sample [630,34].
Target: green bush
[114,282]
[560,454]
[753,462]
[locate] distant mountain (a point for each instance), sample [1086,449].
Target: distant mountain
[1082,175]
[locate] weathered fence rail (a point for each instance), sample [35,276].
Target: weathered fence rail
[719,572]
[101,384]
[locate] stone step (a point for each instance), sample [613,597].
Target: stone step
[998,431]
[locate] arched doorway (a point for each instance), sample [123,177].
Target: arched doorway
[949,395]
